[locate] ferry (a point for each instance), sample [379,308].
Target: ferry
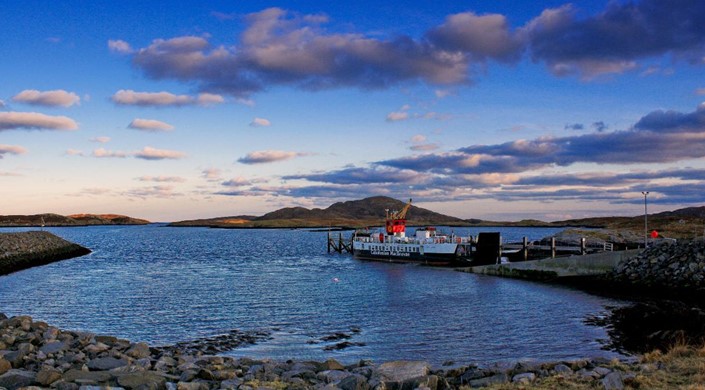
[426,246]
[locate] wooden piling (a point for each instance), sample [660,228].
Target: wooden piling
[583,246]
[525,248]
[553,247]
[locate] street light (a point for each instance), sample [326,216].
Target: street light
[646,236]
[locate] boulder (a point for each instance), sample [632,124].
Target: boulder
[74,375]
[52,347]
[47,376]
[495,379]
[613,381]
[106,363]
[5,366]
[14,379]
[354,382]
[401,371]
[143,381]
[138,351]
[191,386]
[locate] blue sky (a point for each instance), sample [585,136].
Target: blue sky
[495,110]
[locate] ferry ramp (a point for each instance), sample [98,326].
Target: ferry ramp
[558,267]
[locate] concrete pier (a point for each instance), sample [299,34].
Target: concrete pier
[559,267]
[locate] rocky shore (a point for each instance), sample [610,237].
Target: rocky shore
[35,355]
[669,265]
[23,250]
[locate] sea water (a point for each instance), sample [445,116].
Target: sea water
[164,285]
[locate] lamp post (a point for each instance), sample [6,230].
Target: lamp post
[646,235]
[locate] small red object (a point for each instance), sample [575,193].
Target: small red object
[654,234]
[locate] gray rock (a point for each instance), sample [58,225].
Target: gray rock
[142,381]
[66,386]
[46,377]
[106,363]
[401,371]
[613,381]
[231,384]
[14,379]
[602,371]
[490,380]
[138,351]
[331,376]
[354,382]
[562,369]
[74,375]
[53,347]
[524,378]
[89,387]
[191,386]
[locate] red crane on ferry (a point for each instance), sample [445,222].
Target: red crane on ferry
[396,220]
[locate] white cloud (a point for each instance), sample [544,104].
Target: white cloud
[147,153]
[150,153]
[101,140]
[237,182]
[11,149]
[211,174]
[269,156]
[260,122]
[74,152]
[150,125]
[163,98]
[119,46]
[35,120]
[397,116]
[55,98]
[103,153]
[418,138]
[207,99]
[2,103]
[162,179]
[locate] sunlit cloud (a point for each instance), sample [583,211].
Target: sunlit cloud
[260,122]
[55,98]
[150,125]
[237,182]
[74,152]
[269,156]
[11,149]
[211,174]
[103,153]
[119,46]
[150,153]
[397,116]
[35,121]
[158,191]
[100,140]
[163,99]
[162,179]
[280,47]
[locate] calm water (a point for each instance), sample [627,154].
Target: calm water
[163,285]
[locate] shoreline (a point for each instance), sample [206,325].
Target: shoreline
[33,353]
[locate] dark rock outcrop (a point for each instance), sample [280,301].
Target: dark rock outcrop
[19,251]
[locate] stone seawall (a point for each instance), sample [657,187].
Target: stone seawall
[675,266]
[23,250]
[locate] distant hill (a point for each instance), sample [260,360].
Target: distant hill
[354,213]
[70,220]
[683,223]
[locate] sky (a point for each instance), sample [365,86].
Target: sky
[499,110]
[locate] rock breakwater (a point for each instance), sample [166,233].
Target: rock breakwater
[23,250]
[33,353]
[671,265]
